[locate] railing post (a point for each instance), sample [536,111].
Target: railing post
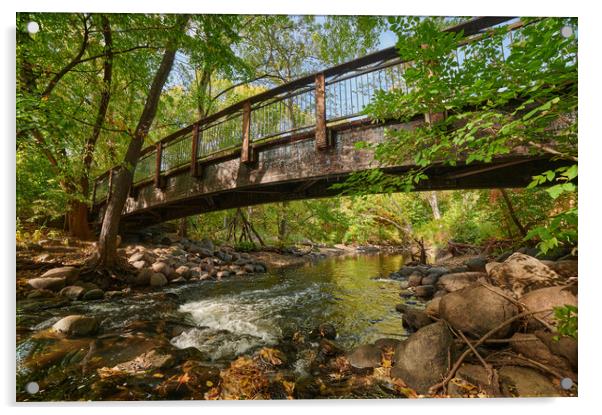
[247,155]
[321,133]
[194,167]
[158,165]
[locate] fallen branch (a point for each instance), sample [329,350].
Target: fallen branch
[433,389]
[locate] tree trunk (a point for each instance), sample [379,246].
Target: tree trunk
[432,199]
[183,228]
[77,220]
[123,175]
[512,213]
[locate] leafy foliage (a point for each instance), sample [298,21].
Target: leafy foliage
[566,318]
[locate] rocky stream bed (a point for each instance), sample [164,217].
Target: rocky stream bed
[191,320]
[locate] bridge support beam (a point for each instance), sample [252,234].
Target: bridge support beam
[322,141]
[247,153]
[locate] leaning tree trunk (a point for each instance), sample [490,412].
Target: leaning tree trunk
[432,199]
[512,213]
[77,217]
[123,175]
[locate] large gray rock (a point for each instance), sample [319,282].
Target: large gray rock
[69,273]
[366,356]
[460,280]
[76,325]
[423,359]
[47,283]
[522,273]
[547,299]
[525,382]
[477,309]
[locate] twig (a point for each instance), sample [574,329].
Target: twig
[433,389]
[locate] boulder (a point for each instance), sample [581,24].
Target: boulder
[563,346]
[424,291]
[476,264]
[477,309]
[522,273]
[366,356]
[47,283]
[69,273]
[95,294]
[547,299]
[430,279]
[72,292]
[423,359]
[533,348]
[460,280]
[157,279]
[524,382]
[76,325]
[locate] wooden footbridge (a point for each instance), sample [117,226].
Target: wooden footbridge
[293,142]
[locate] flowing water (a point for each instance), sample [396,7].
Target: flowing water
[234,316]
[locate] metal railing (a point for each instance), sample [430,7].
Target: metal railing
[335,94]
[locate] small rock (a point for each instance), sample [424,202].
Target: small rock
[183,271]
[476,264]
[47,283]
[366,356]
[40,294]
[139,264]
[96,294]
[143,277]
[415,279]
[207,244]
[76,325]
[157,279]
[249,268]
[329,348]
[260,268]
[223,274]
[432,307]
[72,292]
[327,331]
[162,267]
[69,273]
[413,318]
[424,291]
[138,256]
[387,343]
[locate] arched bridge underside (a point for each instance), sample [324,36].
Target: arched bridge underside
[294,142]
